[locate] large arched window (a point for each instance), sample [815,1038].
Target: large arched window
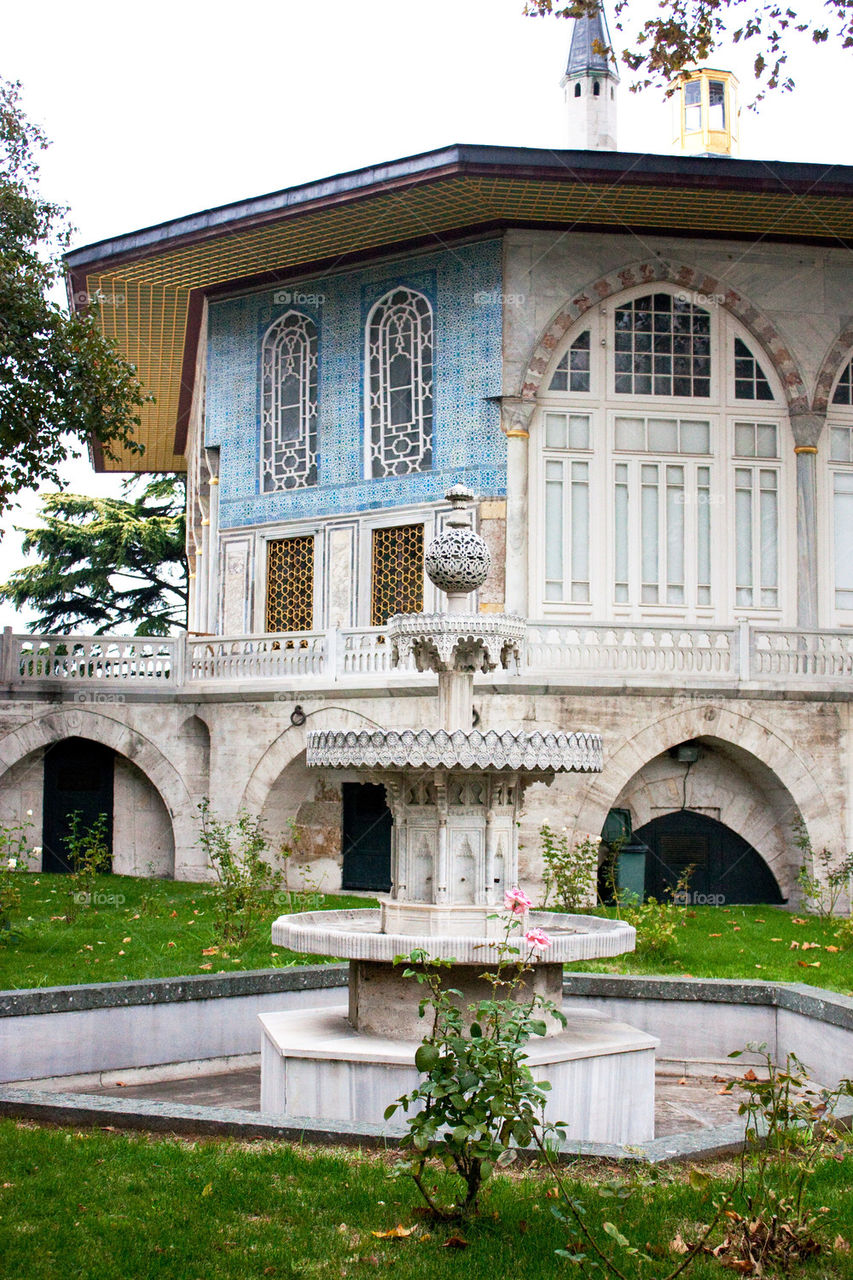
[659,476]
[399,372]
[289,404]
[840,459]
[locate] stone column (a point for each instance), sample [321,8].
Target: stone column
[807,428]
[516,414]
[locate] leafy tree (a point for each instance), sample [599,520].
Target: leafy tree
[61,382]
[687,32]
[107,563]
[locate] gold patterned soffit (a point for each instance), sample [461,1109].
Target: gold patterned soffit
[144,303]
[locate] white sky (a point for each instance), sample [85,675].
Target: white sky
[164,109]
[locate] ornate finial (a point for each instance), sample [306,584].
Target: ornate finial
[458,560]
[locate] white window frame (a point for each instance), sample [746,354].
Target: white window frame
[838,416]
[722,411]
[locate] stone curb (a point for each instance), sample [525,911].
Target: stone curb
[109,995]
[812,1002]
[83,1109]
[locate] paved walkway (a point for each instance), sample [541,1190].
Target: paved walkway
[680,1106]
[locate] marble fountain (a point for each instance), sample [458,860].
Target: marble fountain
[455,794]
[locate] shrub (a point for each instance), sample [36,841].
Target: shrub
[244,875]
[14,842]
[88,855]
[570,869]
[478,1096]
[822,878]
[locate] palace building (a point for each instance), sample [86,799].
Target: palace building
[641,366]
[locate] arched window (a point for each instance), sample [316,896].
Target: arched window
[840,424]
[659,491]
[577,90]
[289,404]
[399,385]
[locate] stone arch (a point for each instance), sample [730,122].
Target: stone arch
[835,358]
[195,736]
[286,748]
[743,735]
[125,741]
[660,271]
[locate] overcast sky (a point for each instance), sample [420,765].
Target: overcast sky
[163,109]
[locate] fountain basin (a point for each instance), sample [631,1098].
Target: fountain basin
[356,935]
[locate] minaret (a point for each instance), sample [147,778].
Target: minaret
[590,85]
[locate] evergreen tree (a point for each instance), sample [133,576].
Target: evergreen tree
[107,564]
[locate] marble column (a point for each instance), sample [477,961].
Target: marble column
[806,428]
[516,414]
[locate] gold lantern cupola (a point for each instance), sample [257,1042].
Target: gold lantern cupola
[707,113]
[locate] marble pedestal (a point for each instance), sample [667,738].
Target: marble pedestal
[315,1065]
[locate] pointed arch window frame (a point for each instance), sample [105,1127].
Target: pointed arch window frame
[286,465]
[399,404]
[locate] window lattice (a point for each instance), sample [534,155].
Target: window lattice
[750,382]
[398,572]
[290,584]
[844,390]
[662,347]
[289,404]
[573,371]
[400,384]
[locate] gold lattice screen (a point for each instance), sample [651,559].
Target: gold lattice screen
[290,584]
[398,572]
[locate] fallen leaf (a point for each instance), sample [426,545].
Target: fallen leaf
[809,964]
[208,1190]
[777,939]
[727,1090]
[830,948]
[170,944]
[127,939]
[396,1233]
[840,1245]
[757,921]
[456,1242]
[172,914]
[205,966]
[683,1080]
[210,951]
[736,929]
[750,1075]
[795,946]
[121,953]
[798,920]
[678,1245]
[715,935]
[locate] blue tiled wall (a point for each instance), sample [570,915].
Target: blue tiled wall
[463,286]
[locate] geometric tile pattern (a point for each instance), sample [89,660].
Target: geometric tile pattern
[463,287]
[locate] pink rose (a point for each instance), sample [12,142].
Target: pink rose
[537,939]
[516,901]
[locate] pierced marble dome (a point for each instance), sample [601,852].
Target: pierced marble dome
[458,560]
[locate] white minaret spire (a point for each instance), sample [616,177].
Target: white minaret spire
[590,85]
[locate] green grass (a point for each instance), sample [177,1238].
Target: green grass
[143,929]
[744,942]
[108,1206]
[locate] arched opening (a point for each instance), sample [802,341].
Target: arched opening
[79,777]
[722,866]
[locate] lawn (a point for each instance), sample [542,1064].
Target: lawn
[764,943]
[108,1206]
[140,928]
[136,928]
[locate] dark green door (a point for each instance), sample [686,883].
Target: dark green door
[726,868]
[78,778]
[366,837]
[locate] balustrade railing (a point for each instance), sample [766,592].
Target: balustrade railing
[570,652]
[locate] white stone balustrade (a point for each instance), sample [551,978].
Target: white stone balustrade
[567,653]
